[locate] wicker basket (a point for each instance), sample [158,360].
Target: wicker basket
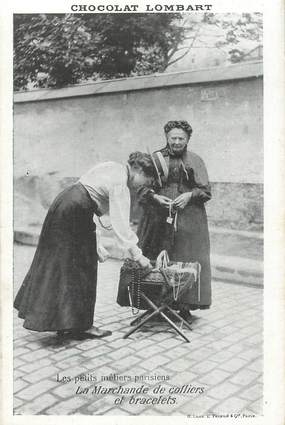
[160,284]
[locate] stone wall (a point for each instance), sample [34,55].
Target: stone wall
[55,139]
[70,135]
[233,205]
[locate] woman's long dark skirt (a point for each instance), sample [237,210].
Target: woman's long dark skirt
[59,291]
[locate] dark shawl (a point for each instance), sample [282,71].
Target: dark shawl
[191,240]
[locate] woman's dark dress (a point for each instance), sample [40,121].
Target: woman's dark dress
[190,242]
[59,291]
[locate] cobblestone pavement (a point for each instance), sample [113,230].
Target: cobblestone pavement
[218,373]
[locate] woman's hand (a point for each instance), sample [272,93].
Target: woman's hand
[182,200]
[162,200]
[144,262]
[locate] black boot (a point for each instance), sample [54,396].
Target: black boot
[186,315]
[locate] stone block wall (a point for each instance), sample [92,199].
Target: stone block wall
[236,206]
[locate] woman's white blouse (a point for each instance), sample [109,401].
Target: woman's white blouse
[107,185]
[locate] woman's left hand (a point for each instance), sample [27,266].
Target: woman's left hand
[182,200]
[144,262]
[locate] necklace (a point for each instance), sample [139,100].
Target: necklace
[136,277]
[176,288]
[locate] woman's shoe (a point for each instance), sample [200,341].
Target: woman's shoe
[99,333]
[80,334]
[94,333]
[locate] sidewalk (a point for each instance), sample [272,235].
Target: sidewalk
[225,266]
[218,373]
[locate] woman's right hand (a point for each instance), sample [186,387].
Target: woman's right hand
[144,262]
[162,200]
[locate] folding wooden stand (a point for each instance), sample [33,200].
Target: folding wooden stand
[153,311]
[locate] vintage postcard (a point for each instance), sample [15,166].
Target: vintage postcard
[141,212]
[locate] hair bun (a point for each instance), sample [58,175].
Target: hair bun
[183,125]
[142,160]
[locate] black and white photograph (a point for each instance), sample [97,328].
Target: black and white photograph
[138,212]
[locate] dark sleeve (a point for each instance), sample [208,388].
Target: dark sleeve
[145,195]
[202,190]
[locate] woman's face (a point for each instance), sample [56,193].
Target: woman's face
[139,178]
[177,140]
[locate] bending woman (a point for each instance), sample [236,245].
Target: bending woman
[59,290]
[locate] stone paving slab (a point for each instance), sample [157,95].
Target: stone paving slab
[153,372]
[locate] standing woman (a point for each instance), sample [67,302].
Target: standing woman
[174,216]
[59,290]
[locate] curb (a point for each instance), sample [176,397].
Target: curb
[237,270]
[26,237]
